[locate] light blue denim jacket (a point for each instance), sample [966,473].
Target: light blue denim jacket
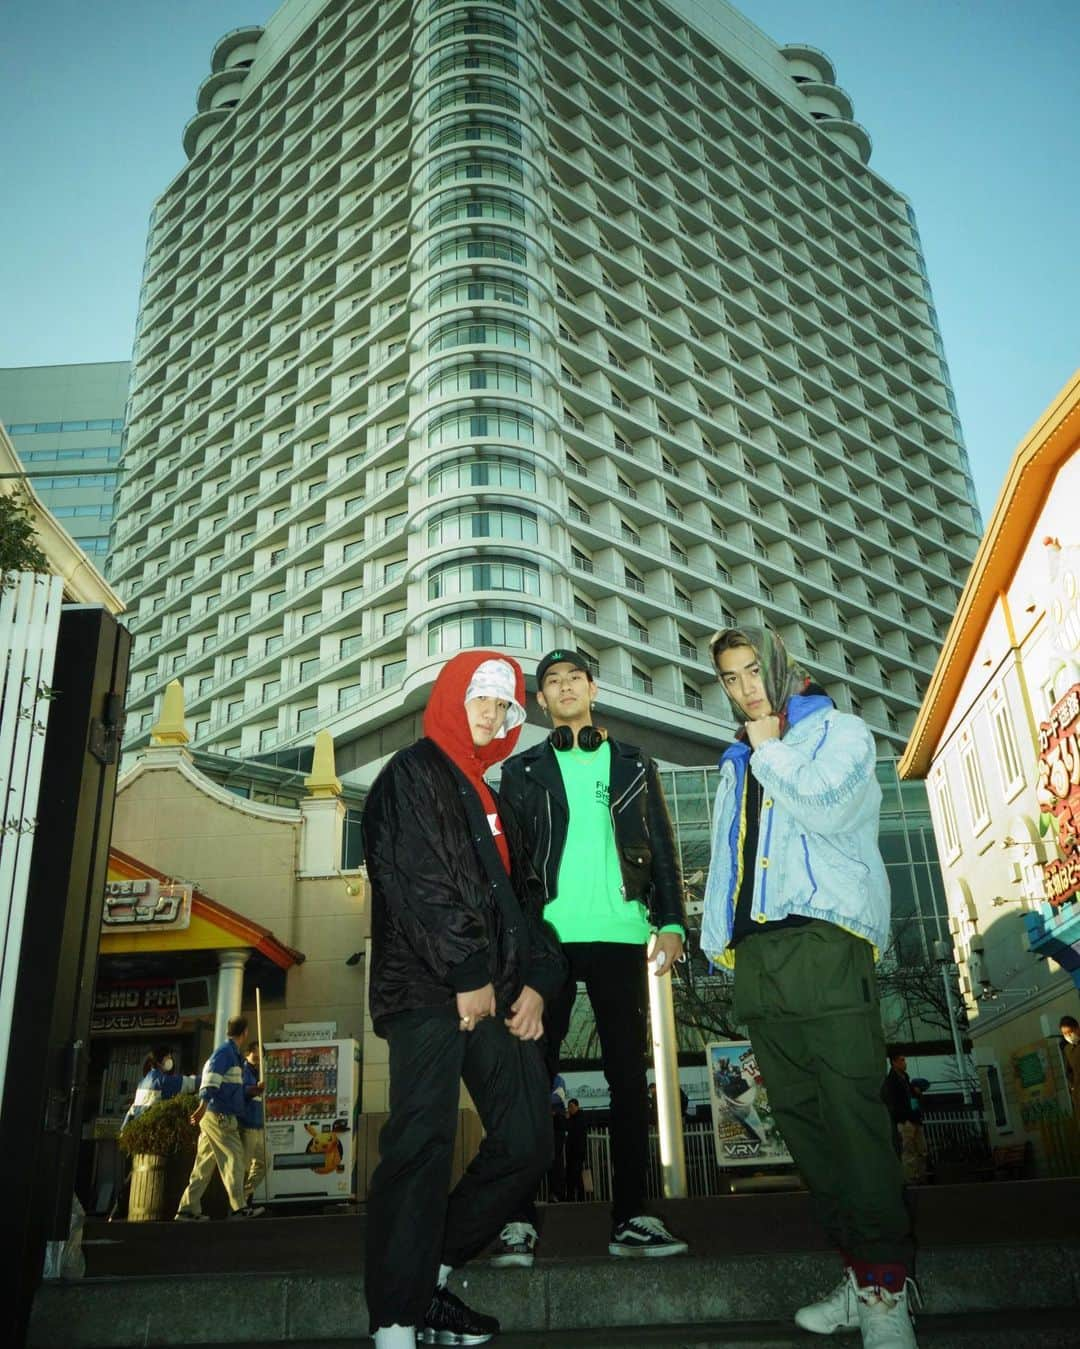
[817,852]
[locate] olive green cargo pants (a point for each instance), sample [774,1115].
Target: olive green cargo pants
[809,998]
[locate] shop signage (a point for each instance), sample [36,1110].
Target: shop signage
[143,1004]
[1058,794]
[146,905]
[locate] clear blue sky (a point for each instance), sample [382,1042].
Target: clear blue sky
[972,105]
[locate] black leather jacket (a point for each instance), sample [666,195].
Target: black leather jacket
[445,916]
[648,858]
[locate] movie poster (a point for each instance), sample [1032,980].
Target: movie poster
[746,1134]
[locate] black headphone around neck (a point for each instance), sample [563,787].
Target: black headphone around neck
[589,738]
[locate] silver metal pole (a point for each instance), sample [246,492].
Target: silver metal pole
[665,1052]
[958,1048]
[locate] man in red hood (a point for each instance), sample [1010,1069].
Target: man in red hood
[461,966]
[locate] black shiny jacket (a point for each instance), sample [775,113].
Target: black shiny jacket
[648,857]
[445,916]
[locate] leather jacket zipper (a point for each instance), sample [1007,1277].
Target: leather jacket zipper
[547,855]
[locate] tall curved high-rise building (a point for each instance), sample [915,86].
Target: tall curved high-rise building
[529,323]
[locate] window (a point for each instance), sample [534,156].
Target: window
[583,610]
[692,697]
[310,620]
[393,672]
[309,667]
[465,378]
[1008,757]
[466,333]
[392,570]
[505,522]
[460,425]
[507,246]
[640,680]
[306,716]
[633,581]
[976,792]
[457,632]
[638,630]
[392,620]
[947,818]
[457,578]
[270,689]
[351,693]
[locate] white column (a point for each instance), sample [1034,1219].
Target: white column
[321,836]
[230,989]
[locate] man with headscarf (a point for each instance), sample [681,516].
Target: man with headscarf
[461,967]
[797,901]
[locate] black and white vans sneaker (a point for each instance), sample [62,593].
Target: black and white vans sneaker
[449,1321]
[644,1235]
[517,1246]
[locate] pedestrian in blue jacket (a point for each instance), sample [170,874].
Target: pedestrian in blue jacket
[797,902]
[222,1104]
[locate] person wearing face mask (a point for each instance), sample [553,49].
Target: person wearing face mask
[160,1082]
[797,903]
[461,968]
[1070,1033]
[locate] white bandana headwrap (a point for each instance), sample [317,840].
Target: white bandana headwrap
[495,679]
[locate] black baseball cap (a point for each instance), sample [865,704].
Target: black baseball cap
[574,658]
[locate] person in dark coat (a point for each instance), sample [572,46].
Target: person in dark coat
[461,967]
[577,1146]
[1070,1033]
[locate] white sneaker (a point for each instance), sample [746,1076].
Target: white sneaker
[517,1245]
[885,1318]
[835,1311]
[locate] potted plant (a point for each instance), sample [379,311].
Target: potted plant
[160,1132]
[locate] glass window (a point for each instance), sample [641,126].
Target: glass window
[496,332]
[459,578]
[393,672]
[309,667]
[506,246]
[306,716]
[486,207]
[456,632]
[471,128]
[458,291]
[461,424]
[465,378]
[505,522]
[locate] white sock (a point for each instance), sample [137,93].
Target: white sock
[395,1337]
[444,1273]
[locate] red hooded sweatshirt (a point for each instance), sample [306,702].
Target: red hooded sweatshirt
[445,722]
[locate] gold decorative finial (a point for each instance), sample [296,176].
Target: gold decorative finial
[170,728]
[323,780]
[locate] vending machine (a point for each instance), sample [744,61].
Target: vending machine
[312,1092]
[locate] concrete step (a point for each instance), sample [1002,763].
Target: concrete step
[992,1251]
[1018,1330]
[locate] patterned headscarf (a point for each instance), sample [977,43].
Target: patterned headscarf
[780,673]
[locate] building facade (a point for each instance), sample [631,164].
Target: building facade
[66,423]
[997,742]
[526,325]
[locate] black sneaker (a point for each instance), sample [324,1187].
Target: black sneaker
[248,1211]
[517,1245]
[449,1321]
[644,1235]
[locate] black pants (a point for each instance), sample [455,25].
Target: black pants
[412,1226]
[614,975]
